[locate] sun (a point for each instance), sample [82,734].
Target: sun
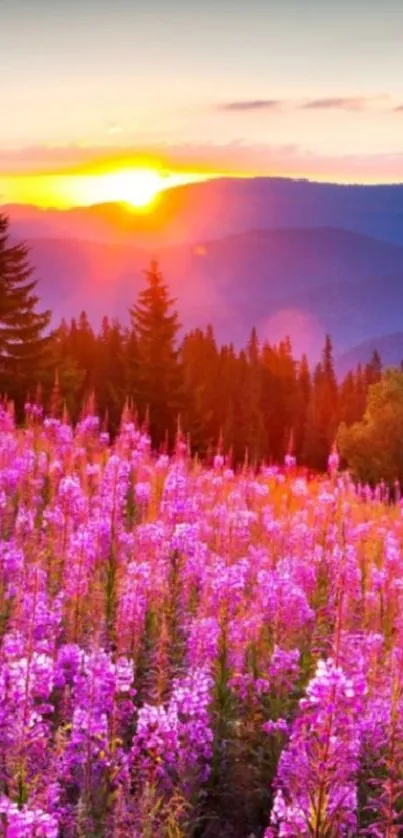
[138,188]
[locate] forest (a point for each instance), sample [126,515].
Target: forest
[258,403]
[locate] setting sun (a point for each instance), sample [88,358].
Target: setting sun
[136,187]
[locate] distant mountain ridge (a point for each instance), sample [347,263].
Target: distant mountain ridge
[290,257]
[302,283]
[218,208]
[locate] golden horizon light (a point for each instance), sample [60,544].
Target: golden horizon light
[138,187]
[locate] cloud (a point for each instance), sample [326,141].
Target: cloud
[398,109]
[252,105]
[348,103]
[344,103]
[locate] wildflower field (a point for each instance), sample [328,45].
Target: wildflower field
[185,651]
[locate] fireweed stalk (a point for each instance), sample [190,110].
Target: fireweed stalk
[188,650]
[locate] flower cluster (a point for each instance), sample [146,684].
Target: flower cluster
[184,645]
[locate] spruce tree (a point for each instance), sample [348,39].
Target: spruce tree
[360,391]
[373,370]
[302,401]
[64,378]
[160,384]
[23,342]
[348,400]
[313,453]
[323,411]
[110,385]
[199,356]
[329,395]
[252,394]
[132,366]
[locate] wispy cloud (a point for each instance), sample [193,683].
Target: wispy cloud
[251,105]
[347,103]
[341,103]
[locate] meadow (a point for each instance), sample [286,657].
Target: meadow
[186,650]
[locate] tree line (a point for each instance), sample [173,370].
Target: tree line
[258,403]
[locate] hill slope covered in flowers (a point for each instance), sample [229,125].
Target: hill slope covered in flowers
[191,652]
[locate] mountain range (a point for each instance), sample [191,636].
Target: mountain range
[291,257]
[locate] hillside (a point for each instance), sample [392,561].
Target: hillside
[301,282]
[218,208]
[289,256]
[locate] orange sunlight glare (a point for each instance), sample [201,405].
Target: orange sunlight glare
[136,187]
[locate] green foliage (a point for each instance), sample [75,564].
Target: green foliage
[373,448]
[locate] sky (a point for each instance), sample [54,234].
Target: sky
[301,88]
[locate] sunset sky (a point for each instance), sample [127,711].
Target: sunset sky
[307,88]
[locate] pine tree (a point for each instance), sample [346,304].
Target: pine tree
[84,350]
[303,397]
[348,400]
[110,384]
[373,370]
[160,386]
[199,356]
[279,389]
[361,392]
[323,411]
[66,371]
[252,394]
[312,454]
[23,342]
[253,347]
[132,366]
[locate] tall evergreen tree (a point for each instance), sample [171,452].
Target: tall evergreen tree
[303,398]
[199,355]
[160,386]
[278,397]
[65,383]
[23,342]
[132,366]
[110,378]
[322,419]
[373,370]
[252,394]
[310,454]
[361,391]
[348,400]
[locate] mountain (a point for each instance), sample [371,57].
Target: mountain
[390,348]
[289,256]
[222,207]
[351,313]
[299,282]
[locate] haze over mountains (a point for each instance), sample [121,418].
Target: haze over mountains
[291,257]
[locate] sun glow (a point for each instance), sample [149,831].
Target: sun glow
[137,187]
